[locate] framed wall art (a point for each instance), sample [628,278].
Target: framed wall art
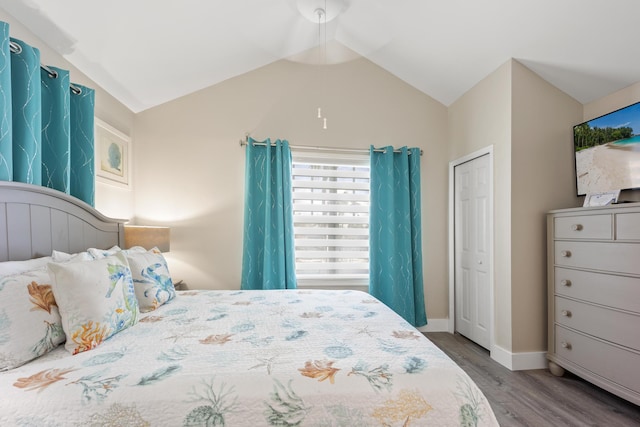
[113,155]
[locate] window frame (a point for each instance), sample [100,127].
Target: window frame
[331,159]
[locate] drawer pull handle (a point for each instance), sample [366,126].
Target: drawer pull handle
[566,313]
[576,227]
[566,345]
[565,282]
[565,254]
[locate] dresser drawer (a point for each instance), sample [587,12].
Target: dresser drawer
[628,226]
[613,363]
[609,256]
[610,325]
[614,291]
[583,227]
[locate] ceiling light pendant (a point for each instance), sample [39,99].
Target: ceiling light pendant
[334,8]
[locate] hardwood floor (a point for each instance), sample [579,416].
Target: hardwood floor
[536,398]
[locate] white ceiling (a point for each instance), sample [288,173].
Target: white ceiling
[147,52]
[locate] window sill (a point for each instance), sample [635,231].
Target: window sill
[333,284]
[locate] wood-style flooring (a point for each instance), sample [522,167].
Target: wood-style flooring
[536,398]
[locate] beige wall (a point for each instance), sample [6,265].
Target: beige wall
[189,170]
[528,123]
[110,200]
[542,179]
[478,119]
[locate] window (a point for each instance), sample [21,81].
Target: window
[331,219]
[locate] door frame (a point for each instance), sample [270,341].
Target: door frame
[452,257]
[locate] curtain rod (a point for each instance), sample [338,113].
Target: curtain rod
[308,147]
[17,49]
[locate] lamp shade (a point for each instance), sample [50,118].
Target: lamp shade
[147,237]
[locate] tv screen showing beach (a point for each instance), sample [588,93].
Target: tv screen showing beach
[607,151]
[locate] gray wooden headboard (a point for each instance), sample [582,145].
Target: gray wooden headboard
[35,220]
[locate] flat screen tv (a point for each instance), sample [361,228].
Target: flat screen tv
[607,152]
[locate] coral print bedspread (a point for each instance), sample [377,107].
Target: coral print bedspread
[250,358]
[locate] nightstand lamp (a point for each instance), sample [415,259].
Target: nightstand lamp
[147,237]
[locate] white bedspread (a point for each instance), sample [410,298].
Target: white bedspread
[251,358]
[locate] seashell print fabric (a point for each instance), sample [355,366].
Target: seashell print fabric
[263,358]
[151,279]
[30,323]
[96,300]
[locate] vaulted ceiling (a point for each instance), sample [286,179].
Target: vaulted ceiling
[147,52]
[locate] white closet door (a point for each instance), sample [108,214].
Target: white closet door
[472,250]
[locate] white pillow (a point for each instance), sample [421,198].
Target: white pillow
[151,279]
[96,300]
[138,250]
[59,256]
[8,268]
[30,323]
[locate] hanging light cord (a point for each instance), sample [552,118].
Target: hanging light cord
[319,13]
[322,58]
[324,65]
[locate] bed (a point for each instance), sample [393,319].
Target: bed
[210,357]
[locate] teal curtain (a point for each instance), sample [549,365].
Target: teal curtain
[6,144]
[82,144]
[268,259]
[46,123]
[26,94]
[395,242]
[56,129]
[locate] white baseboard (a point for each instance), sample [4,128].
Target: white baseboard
[511,361]
[519,361]
[435,325]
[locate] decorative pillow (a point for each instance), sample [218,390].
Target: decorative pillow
[30,324]
[151,279]
[96,300]
[9,268]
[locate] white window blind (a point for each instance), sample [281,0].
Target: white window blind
[331,217]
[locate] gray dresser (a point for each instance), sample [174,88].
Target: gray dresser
[594,296]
